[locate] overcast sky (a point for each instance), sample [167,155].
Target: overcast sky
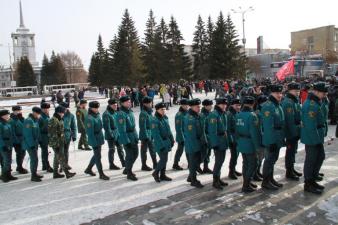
[74,25]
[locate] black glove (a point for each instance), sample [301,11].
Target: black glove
[74,139]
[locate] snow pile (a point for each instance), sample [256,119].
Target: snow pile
[330,206]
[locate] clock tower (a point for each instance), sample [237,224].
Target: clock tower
[24,42]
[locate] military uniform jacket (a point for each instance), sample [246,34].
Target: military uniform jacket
[325,110]
[81,114]
[313,121]
[163,139]
[217,129]
[6,135]
[247,131]
[43,124]
[178,125]
[292,112]
[273,123]
[17,125]
[94,129]
[69,126]
[109,124]
[231,116]
[194,132]
[56,132]
[126,127]
[31,133]
[145,124]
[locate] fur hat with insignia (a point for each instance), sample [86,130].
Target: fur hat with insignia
[60,109]
[36,110]
[64,104]
[112,101]
[195,101]
[147,100]
[160,105]
[276,88]
[124,98]
[293,86]
[83,101]
[320,86]
[207,102]
[4,112]
[16,108]
[45,105]
[184,101]
[249,100]
[94,104]
[220,101]
[235,101]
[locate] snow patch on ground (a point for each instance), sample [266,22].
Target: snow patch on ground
[311,214]
[330,206]
[256,217]
[147,222]
[192,211]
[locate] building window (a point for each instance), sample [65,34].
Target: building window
[3,84]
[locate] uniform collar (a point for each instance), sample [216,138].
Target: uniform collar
[57,116]
[218,109]
[159,116]
[232,110]
[205,111]
[272,99]
[294,98]
[193,113]
[182,110]
[313,97]
[124,109]
[148,110]
[246,109]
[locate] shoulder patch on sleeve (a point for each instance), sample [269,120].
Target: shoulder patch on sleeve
[121,121]
[266,113]
[312,114]
[289,110]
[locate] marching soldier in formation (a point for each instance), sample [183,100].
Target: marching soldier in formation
[128,135]
[145,134]
[94,127]
[43,125]
[57,140]
[69,125]
[195,140]
[81,114]
[273,135]
[31,138]
[111,134]
[163,141]
[183,110]
[312,135]
[248,141]
[205,153]
[235,107]
[6,144]
[16,122]
[218,139]
[292,112]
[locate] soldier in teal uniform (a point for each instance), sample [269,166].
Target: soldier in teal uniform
[163,141]
[57,141]
[312,135]
[69,125]
[31,137]
[111,134]
[292,112]
[205,156]
[234,108]
[248,139]
[6,144]
[218,139]
[128,135]
[81,114]
[43,124]
[260,152]
[94,127]
[179,132]
[273,125]
[17,124]
[195,139]
[145,133]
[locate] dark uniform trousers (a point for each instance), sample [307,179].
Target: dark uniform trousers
[44,155]
[219,160]
[83,140]
[96,158]
[6,160]
[146,144]
[290,154]
[249,165]
[179,152]
[314,158]
[131,155]
[59,159]
[234,156]
[112,144]
[205,156]
[271,157]
[66,152]
[194,162]
[33,157]
[162,163]
[20,155]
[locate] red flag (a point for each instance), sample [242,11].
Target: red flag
[287,69]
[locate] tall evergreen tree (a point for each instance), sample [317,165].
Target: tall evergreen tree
[127,60]
[25,73]
[45,71]
[98,72]
[93,77]
[199,50]
[58,73]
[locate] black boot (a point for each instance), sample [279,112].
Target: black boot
[103,176]
[177,167]
[21,170]
[164,177]
[90,172]
[253,185]
[291,175]
[189,179]
[113,167]
[318,186]
[232,175]
[206,170]
[39,176]
[222,182]
[247,187]
[238,174]
[5,177]
[196,183]
[321,174]
[154,165]
[56,175]
[156,176]
[11,177]
[131,176]
[35,178]
[268,185]
[319,178]
[309,187]
[49,168]
[216,184]
[146,168]
[274,182]
[199,170]
[256,177]
[260,174]
[296,172]
[87,148]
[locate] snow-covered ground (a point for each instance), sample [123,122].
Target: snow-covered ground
[84,198]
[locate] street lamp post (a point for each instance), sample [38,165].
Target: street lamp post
[10,61]
[242,12]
